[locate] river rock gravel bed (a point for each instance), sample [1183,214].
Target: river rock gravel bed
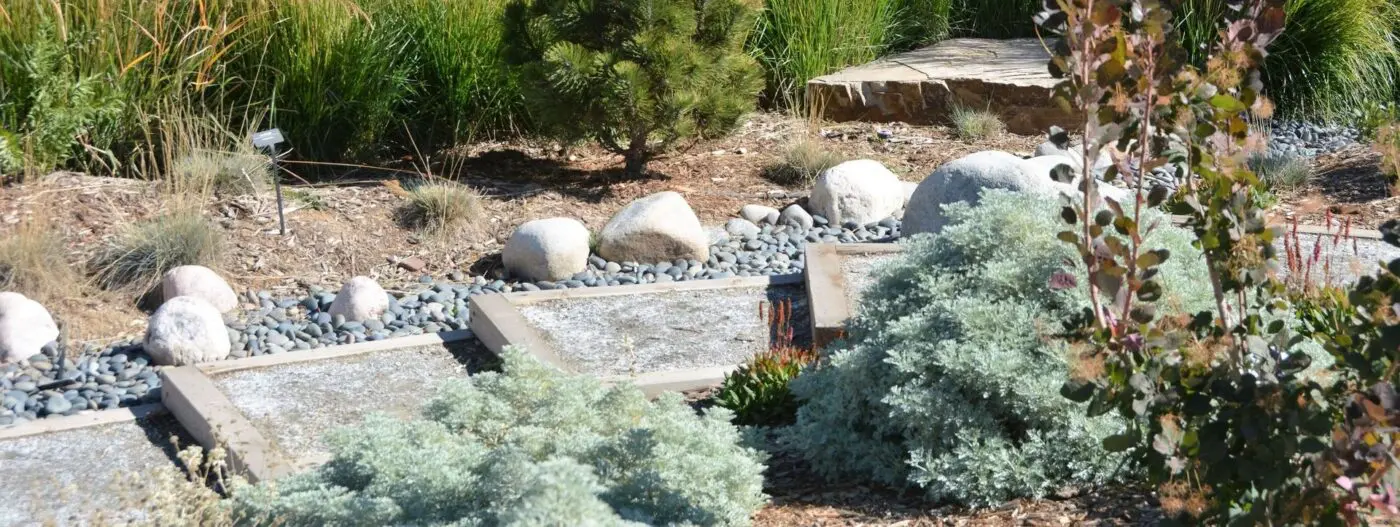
[121,374]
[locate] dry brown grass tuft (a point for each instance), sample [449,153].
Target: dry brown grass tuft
[443,206]
[144,251]
[34,262]
[803,159]
[976,125]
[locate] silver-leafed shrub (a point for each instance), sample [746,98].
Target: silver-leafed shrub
[950,377]
[528,446]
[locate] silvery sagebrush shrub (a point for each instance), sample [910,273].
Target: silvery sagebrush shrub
[526,446]
[950,377]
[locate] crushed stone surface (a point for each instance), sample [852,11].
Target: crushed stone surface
[64,478]
[655,332]
[295,404]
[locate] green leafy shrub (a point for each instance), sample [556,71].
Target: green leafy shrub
[951,375]
[51,108]
[1226,411]
[527,446]
[636,75]
[803,159]
[1358,328]
[142,253]
[976,125]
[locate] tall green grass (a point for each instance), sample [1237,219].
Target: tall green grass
[1334,57]
[993,18]
[797,40]
[84,82]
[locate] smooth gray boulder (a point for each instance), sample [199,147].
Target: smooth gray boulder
[359,300]
[796,215]
[758,213]
[963,180]
[186,330]
[656,228]
[862,191]
[199,281]
[548,249]
[741,228]
[25,327]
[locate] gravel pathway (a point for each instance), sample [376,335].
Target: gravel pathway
[636,334]
[121,374]
[57,477]
[294,405]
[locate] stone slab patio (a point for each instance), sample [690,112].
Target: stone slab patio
[1009,77]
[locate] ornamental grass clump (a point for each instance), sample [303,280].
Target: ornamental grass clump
[950,377]
[526,446]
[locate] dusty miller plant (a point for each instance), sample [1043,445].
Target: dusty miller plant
[1219,416]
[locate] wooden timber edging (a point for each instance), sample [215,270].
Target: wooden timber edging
[82,420]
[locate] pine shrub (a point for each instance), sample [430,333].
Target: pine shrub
[526,446]
[635,75]
[951,375]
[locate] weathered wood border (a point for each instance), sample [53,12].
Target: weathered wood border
[214,421]
[82,420]
[332,352]
[827,298]
[498,324]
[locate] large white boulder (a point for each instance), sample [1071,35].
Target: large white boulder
[199,281]
[656,228]
[548,249]
[186,330]
[25,327]
[963,180]
[862,191]
[359,300]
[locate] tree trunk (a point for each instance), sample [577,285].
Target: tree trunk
[637,157]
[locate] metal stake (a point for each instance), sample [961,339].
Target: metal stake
[268,140]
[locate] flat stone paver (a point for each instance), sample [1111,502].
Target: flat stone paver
[664,331]
[1009,77]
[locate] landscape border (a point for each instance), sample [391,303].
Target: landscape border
[210,418]
[827,298]
[498,324]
